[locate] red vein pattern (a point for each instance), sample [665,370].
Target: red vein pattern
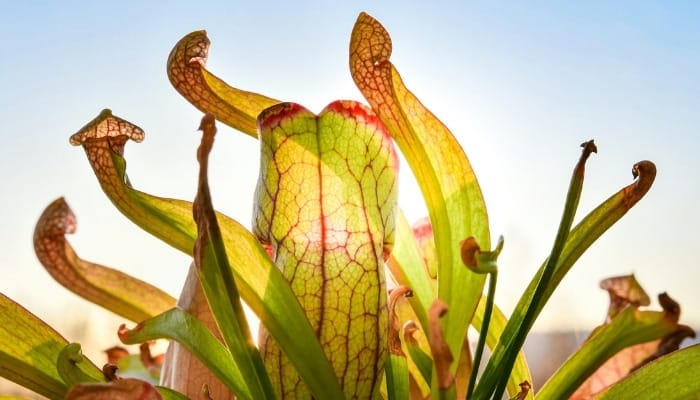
[325,204]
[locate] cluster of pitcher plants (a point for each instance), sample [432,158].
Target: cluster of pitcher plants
[353,302]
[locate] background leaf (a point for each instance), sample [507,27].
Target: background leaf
[671,377]
[29,351]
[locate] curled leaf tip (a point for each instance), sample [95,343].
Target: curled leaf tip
[106,125]
[469,248]
[188,75]
[409,328]
[369,29]
[442,356]
[624,291]
[589,147]
[394,342]
[191,50]
[478,261]
[524,390]
[672,309]
[110,372]
[646,172]
[208,128]
[56,220]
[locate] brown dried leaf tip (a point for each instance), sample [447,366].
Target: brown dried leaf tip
[442,356]
[109,371]
[524,390]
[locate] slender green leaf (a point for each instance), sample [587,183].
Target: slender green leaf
[397,385]
[581,237]
[672,377]
[421,359]
[219,286]
[513,344]
[29,350]
[185,329]
[520,372]
[112,289]
[448,183]
[261,284]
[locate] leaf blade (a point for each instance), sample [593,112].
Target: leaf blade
[447,181]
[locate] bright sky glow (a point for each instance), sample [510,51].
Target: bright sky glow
[521,86]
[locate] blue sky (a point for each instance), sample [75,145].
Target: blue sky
[520,85]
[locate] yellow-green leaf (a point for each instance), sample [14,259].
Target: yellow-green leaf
[29,350]
[446,178]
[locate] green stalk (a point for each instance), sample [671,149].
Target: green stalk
[515,343]
[483,331]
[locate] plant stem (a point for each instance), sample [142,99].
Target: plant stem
[493,277]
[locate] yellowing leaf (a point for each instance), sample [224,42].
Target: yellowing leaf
[28,350]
